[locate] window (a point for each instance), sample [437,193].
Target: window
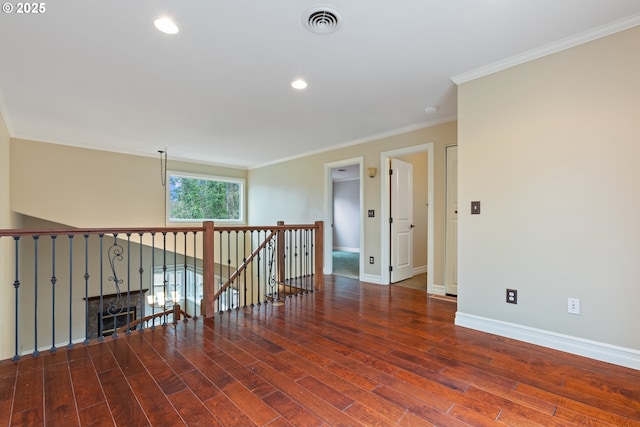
[168,287]
[198,198]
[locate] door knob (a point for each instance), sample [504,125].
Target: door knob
[411,226]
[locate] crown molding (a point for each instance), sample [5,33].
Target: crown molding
[548,49]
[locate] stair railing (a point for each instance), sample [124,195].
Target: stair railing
[75,285]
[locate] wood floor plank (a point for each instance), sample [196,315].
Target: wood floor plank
[86,384]
[227,413]
[254,407]
[29,393]
[59,405]
[121,400]
[154,403]
[192,411]
[96,416]
[292,411]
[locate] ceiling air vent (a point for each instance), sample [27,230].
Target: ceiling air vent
[322,20]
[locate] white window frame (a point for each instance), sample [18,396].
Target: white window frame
[240,181]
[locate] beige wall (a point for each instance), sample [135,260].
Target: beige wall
[90,188]
[7,268]
[293,191]
[551,150]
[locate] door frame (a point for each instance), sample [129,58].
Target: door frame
[385,197]
[328,211]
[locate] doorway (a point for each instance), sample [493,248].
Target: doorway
[344,227]
[427,217]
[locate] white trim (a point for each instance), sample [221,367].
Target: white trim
[385,158]
[419,270]
[328,211]
[371,278]
[438,289]
[583,347]
[550,48]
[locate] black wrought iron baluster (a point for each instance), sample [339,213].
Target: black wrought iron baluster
[86,289]
[70,345]
[272,276]
[53,294]
[128,307]
[101,334]
[238,278]
[153,280]
[16,286]
[174,296]
[220,276]
[115,308]
[164,277]
[307,237]
[258,269]
[141,295]
[291,257]
[227,291]
[252,286]
[313,258]
[185,276]
[195,281]
[35,308]
[244,260]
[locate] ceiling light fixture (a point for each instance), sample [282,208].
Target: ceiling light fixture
[430,109]
[166,25]
[299,84]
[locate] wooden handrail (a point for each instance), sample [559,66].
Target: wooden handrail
[110,231]
[176,311]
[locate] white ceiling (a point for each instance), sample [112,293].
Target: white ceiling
[98,74]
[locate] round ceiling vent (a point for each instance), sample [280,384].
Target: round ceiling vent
[321,20]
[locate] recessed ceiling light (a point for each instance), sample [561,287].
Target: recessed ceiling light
[166,25]
[430,109]
[299,84]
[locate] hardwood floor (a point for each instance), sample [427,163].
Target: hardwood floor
[353,354]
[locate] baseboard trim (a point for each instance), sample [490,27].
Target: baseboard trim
[371,278]
[617,355]
[437,289]
[419,270]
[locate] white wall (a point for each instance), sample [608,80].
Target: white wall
[346,215]
[551,148]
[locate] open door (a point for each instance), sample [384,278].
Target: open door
[401,221]
[451,231]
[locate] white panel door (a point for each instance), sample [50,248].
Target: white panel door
[451,231]
[401,220]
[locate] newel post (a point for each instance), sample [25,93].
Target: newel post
[280,253]
[319,256]
[208,269]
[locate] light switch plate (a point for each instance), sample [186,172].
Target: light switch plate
[475,208]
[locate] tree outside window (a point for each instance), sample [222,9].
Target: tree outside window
[199,198]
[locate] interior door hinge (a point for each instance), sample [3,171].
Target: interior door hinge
[390,171]
[390,220]
[390,268]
